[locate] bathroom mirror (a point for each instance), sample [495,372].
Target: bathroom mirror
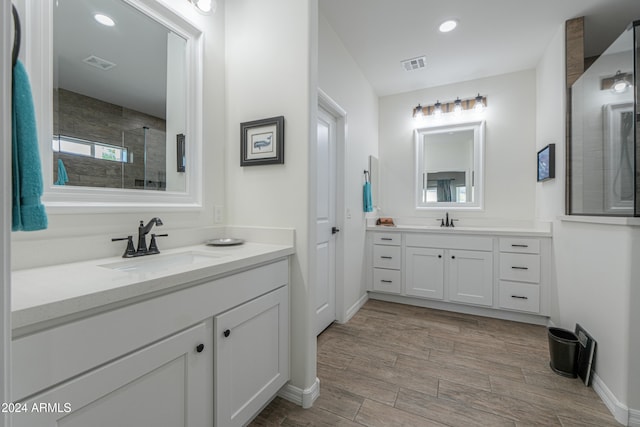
[449,160]
[126,79]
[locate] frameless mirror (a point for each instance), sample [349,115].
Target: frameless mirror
[126,85]
[449,161]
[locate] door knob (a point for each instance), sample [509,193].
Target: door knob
[199,348]
[226,333]
[335,230]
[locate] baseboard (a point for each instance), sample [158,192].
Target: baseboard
[304,398]
[619,410]
[634,418]
[355,307]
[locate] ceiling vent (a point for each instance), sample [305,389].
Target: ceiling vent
[100,63]
[414,63]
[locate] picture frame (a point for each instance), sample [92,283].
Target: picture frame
[262,142]
[547,163]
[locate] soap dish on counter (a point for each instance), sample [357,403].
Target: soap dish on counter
[224,242]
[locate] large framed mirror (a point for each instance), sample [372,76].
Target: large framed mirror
[125,85]
[449,162]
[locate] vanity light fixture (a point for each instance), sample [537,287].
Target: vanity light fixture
[105,20]
[448,26]
[204,6]
[620,83]
[476,104]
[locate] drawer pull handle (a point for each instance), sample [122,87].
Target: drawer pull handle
[386,281]
[199,348]
[226,333]
[386,238]
[386,257]
[519,246]
[519,297]
[520,268]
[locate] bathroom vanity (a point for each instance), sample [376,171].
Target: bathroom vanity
[496,272]
[202,341]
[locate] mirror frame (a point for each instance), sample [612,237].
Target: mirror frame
[478,164]
[69,199]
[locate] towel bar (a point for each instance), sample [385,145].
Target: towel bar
[16,37]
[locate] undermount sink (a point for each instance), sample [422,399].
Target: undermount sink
[154,263]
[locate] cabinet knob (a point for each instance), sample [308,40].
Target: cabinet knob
[439,256]
[200,348]
[453,257]
[226,333]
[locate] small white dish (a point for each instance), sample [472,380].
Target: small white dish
[224,242]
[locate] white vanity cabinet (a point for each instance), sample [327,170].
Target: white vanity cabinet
[387,262]
[156,361]
[251,357]
[486,273]
[165,384]
[454,268]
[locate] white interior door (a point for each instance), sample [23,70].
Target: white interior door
[325,289]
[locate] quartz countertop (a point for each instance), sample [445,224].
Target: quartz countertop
[49,293]
[492,230]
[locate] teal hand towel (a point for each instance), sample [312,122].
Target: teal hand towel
[367,203]
[28,213]
[63,178]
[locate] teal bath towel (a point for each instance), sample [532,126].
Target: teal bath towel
[63,178]
[367,203]
[28,213]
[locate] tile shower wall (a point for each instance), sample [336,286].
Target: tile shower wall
[83,117]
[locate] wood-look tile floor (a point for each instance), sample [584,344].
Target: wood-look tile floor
[399,365]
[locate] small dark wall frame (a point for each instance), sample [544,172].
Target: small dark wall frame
[547,163]
[262,142]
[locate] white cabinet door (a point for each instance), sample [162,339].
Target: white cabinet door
[166,384]
[251,360]
[424,269]
[471,277]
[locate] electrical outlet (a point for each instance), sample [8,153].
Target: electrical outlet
[218,214]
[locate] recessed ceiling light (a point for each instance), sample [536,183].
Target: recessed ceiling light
[104,19]
[447,26]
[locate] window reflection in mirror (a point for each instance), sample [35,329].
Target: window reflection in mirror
[119,97]
[449,166]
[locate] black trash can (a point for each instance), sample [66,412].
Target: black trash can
[563,352]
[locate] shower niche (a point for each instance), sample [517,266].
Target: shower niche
[602,173]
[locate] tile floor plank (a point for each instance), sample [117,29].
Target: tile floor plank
[399,365]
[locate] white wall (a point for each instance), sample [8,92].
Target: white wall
[73,236]
[594,273]
[270,71]
[341,78]
[510,172]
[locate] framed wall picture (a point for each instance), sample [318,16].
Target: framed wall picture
[547,163]
[262,142]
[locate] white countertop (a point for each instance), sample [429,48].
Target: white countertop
[499,231]
[48,293]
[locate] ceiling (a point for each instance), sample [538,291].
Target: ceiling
[493,36]
[136,44]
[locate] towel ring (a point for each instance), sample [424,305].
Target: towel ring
[16,37]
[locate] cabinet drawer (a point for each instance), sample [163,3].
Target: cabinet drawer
[393,239]
[517,245]
[386,280]
[386,256]
[520,267]
[520,296]
[446,241]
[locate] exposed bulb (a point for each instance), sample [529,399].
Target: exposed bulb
[437,109]
[479,105]
[418,114]
[457,106]
[620,84]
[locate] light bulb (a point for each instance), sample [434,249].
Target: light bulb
[104,20]
[418,114]
[447,26]
[437,109]
[479,105]
[620,83]
[457,106]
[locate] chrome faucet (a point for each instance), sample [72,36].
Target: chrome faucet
[143,230]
